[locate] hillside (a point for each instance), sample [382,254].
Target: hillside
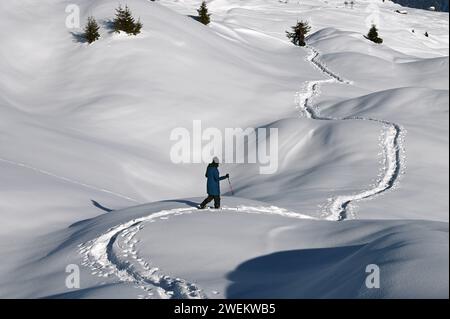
[362,138]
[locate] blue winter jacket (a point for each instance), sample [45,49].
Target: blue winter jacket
[212,184]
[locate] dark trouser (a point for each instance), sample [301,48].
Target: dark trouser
[210,198]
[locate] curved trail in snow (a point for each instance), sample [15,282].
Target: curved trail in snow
[392,137]
[114,254]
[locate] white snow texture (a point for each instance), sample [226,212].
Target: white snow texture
[363,172]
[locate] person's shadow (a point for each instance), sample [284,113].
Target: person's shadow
[100,206]
[182,201]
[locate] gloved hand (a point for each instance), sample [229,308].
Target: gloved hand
[227,176]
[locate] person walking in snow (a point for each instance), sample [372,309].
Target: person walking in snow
[213,184]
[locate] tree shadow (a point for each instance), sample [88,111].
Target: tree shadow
[196,18]
[295,274]
[100,206]
[108,25]
[78,37]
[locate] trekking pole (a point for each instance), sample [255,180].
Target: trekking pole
[231,188]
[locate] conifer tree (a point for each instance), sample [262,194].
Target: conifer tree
[91,30]
[203,15]
[299,32]
[124,21]
[373,35]
[137,27]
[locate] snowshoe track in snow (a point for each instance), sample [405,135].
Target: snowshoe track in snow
[391,142]
[114,254]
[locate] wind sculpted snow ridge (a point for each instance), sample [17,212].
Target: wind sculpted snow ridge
[391,141]
[114,254]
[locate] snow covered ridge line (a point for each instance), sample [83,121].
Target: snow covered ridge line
[313,58]
[114,254]
[66,179]
[391,143]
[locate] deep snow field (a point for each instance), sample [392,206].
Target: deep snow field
[87,179]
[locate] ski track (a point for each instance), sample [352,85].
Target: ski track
[115,253]
[392,138]
[65,179]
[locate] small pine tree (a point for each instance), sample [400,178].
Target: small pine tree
[426,34]
[203,15]
[124,21]
[91,30]
[137,27]
[300,30]
[373,35]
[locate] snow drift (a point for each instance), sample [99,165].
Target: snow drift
[84,138]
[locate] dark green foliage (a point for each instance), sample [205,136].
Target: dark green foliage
[299,32]
[373,35]
[426,34]
[91,30]
[124,21]
[203,15]
[137,27]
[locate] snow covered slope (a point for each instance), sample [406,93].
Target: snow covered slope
[85,129]
[247,250]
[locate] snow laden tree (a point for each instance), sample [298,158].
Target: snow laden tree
[124,21]
[373,35]
[203,15]
[299,32]
[91,30]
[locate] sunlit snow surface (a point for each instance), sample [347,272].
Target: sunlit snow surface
[363,136]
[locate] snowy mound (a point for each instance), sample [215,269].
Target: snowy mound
[245,250]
